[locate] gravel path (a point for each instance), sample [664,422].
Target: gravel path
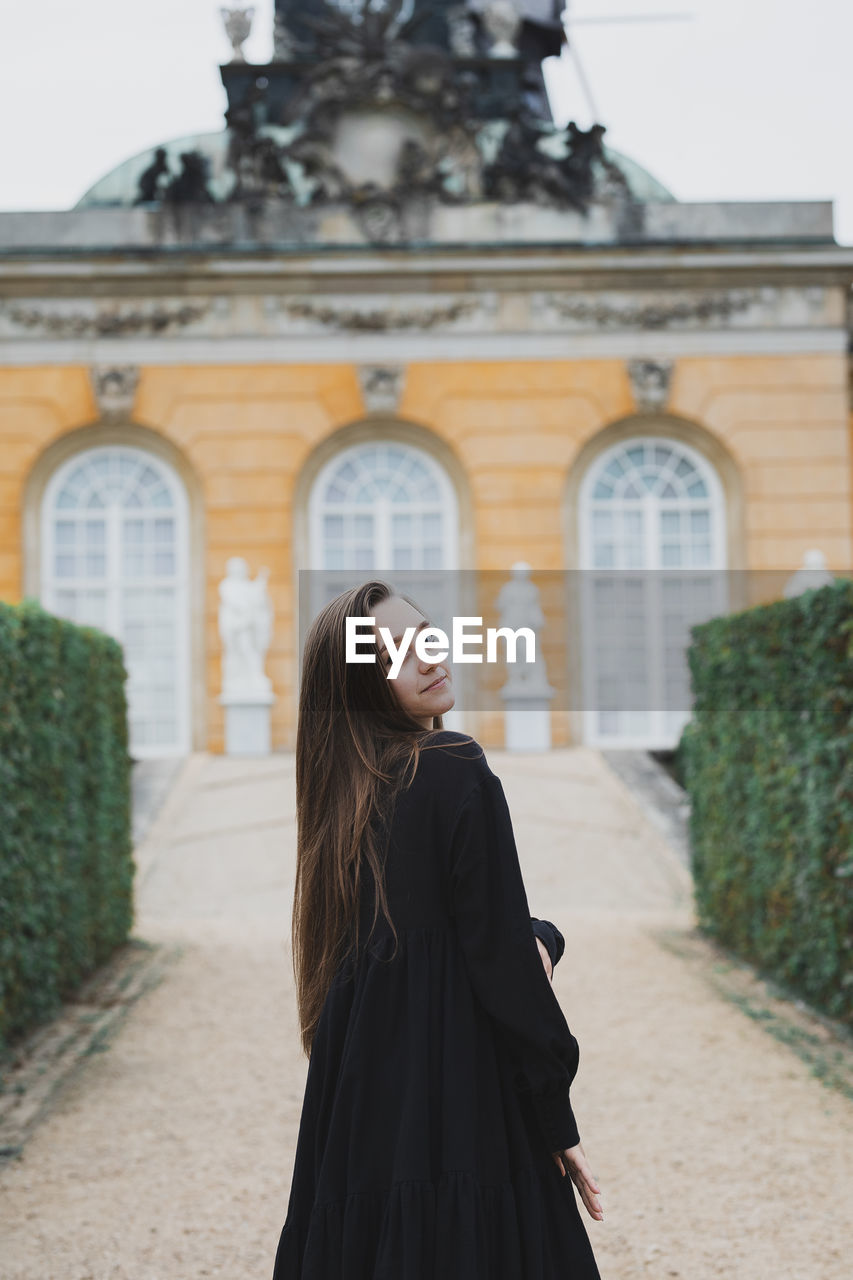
[168,1155]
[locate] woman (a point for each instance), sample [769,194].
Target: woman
[436,1133]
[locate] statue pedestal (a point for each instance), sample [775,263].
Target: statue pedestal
[527,719]
[247,723]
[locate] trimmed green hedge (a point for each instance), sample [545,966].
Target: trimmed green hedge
[768,761]
[66,850]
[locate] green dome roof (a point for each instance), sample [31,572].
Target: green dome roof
[644,187]
[121,185]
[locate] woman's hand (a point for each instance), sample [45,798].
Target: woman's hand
[546,959]
[575,1162]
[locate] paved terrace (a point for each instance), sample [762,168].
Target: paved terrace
[168,1155]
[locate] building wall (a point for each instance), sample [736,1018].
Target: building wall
[515,438]
[37,406]
[783,420]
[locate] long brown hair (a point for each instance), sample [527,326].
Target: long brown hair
[355,748]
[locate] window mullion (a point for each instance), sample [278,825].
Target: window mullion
[384,547]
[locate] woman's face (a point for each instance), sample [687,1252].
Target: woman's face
[423,689]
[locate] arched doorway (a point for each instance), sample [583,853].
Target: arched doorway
[115,555]
[651,542]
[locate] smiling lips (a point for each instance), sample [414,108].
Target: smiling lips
[435,683]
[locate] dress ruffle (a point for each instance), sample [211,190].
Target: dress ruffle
[408,1075]
[456,1228]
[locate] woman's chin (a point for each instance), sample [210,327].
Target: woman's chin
[439,702]
[446,704]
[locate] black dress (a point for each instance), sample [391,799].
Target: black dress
[438,1083]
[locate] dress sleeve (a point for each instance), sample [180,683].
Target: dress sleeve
[554,941]
[495,930]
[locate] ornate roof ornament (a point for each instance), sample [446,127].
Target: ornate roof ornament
[461,32]
[502,23]
[238,28]
[389,107]
[285,46]
[363,28]
[378,121]
[159,183]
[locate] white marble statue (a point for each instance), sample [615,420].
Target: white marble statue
[812,573]
[245,628]
[501,20]
[518,604]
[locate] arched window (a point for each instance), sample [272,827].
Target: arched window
[652,560]
[386,508]
[115,556]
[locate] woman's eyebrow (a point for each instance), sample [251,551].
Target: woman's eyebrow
[397,639]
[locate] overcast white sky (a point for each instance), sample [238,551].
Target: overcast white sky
[751,100]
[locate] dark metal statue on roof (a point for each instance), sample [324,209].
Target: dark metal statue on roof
[190,185]
[152,179]
[386,106]
[376,104]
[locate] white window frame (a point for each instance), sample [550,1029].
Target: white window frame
[447,506]
[113,581]
[659,736]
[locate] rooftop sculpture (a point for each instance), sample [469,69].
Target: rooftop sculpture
[378,104]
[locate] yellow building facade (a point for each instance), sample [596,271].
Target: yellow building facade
[393,321]
[415,328]
[766,408]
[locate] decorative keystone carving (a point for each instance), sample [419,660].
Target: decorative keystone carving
[115,388]
[650,383]
[381,387]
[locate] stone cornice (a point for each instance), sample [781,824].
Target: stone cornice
[273,229]
[504,268]
[405,348]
